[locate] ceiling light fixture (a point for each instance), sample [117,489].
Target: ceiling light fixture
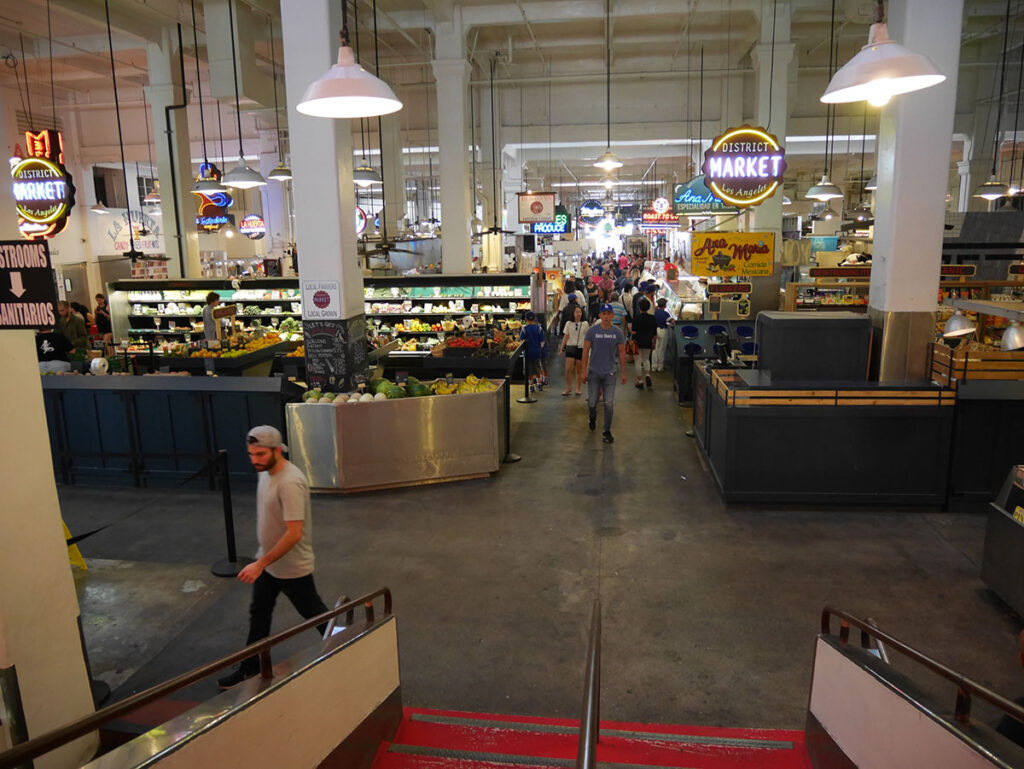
[608,161]
[280,172]
[1013,337]
[241,177]
[347,90]
[881,69]
[208,181]
[99,208]
[825,190]
[957,326]
[364,174]
[872,184]
[994,189]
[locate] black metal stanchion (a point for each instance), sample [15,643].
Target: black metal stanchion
[233,564]
[527,398]
[507,403]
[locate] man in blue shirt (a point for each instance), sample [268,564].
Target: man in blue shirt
[533,334]
[602,343]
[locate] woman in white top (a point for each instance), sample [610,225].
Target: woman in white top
[573,335]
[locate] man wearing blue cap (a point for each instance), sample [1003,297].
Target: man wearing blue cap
[600,346]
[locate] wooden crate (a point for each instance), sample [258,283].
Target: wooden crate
[970,362]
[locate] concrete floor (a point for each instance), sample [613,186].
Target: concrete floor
[710,610]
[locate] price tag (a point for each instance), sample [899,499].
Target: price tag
[449,378]
[401,378]
[358,379]
[1018,514]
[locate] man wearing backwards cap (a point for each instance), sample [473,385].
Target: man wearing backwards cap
[284,561]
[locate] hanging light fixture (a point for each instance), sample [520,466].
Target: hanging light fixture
[872,184]
[829,213]
[347,90]
[241,177]
[825,190]
[280,172]
[1013,337]
[208,181]
[786,201]
[364,174]
[994,189]
[608,161]
[99,208]
[881,69]
[957,326]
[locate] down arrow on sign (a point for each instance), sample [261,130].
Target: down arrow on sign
[16,287]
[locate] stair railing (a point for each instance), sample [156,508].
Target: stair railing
[586,753]
[21,754]
[966,688]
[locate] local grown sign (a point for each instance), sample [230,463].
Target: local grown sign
[744,166]
[43,188]
[750,254]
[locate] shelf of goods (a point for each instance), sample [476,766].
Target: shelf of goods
[421,433]
[974,295]
[832,295]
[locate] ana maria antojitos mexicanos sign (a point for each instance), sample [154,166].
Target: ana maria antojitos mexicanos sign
[744,166]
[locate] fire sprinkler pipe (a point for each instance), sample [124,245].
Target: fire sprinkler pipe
[170,152]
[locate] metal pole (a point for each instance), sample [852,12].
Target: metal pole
[507,404]
[527,398]
[233,564]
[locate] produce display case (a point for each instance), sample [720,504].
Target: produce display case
[818,295]
[256,363]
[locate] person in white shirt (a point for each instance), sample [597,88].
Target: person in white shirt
[573,335]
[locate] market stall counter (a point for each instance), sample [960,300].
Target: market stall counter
[253,364]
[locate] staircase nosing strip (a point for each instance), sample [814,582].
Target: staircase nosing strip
[505,758]
[732,742]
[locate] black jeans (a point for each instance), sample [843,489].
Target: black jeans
[301,591]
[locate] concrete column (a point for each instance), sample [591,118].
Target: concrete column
[963,168]
[451,71]
[915,134]
[393,171]
[772,110]
[275,202]
[40,645]
[324,200]
[177,205]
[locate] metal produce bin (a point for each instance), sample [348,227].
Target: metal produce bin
[402,442]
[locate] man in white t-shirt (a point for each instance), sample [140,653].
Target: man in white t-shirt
[284,528]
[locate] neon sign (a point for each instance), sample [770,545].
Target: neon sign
[744,166]
[43,188]
[591,212]
[214,222]
[252,226]
[360,221]
[557,227]
[694,197]
[662,219]
[660,205]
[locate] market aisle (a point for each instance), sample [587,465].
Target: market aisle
[710,611]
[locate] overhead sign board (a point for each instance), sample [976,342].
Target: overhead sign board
[730,288]
[559,226]
[958,270]
[840,272]
[28,292]
[660,205]
[695,199]
[591,211]
[536,207]
[662,219]
[749,254]
[744,166]
[44,192]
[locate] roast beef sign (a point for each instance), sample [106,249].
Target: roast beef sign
[744,166]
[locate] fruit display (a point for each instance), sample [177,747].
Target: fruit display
[239,345]
[379,390]
[298,352]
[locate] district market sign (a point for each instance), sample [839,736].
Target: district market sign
[695,199]
[744,166]
[43,189]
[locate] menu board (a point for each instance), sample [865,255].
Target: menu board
[336,353]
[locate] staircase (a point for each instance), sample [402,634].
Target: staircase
[434,739]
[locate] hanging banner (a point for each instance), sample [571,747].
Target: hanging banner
[536,207]
[744,166]
[695,199]
[750,254]
[44,192]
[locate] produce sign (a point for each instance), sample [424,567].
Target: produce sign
[695,199]
[591,212]
[558,227]
[28,292]
[730,288]
[744,166]
[44,192]
[840,272]
[733,253]
[252,226]
[536,207]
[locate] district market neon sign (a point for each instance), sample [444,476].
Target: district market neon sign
[744,166]
[44,192]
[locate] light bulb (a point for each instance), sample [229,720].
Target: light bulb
[229,233]
[879,93]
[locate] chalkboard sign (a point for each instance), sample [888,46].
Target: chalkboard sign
[325,353]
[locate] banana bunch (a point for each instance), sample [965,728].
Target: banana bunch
[441,387]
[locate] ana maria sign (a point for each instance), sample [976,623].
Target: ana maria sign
[695,199]
[43,189]
[744,166]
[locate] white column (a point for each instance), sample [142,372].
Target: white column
[323,191]
[963,168]
[452,77]
[275,204]
[915,134]
[393,171]
[773,101]
[177,206]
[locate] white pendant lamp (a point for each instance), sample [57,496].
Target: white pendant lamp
[364,174]
[1013,337]
[208,186]
[993,189]
[824,190]
[608,161]
[786,201]
[861,213]
[957,326]
[281,173]
[241,177]
[99,208]
[881,69]
[829,214]
[347,90]
[872,184]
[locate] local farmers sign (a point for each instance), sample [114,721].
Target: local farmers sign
[744,166]
[43,188]
[733,253]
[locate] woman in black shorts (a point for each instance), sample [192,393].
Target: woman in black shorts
[573,335]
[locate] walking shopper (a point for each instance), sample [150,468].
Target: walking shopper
[284,528]
[664,320]
[572,347]
[209,322]
[533,334]
[71,325]
[600,346]
[644,330]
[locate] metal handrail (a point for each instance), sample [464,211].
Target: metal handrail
[883,653]
[586,753]
[965,687]
[55,738]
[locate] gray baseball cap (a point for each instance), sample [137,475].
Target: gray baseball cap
[265,436]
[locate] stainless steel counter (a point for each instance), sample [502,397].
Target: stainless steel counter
[399,442]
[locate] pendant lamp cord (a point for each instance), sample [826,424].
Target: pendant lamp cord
[771,69]
[863,145]
[700,100]
[380,122]
[199,83]
[608,70]
[1016,118]
[234,71]
[830,110]
[149,148]
[362,120]
[1002,83]
[277,108]
[494,164]
[472,140]
[28,95]
[49,36]
[120,138]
